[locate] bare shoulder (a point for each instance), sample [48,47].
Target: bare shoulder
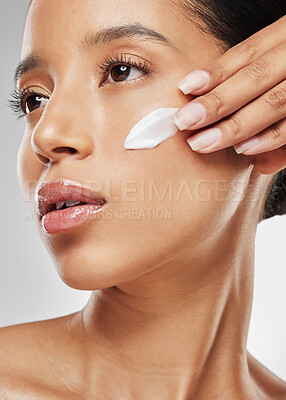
[29,355]
[268,383]
[32,340]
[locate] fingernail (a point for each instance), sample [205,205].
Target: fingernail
[194,81]
[246,145]
[189,115]
[204,139]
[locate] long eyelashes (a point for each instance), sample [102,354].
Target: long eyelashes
[16,101]
[109,62]
[19,98]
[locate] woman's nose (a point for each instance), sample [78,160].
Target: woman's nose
[63,131]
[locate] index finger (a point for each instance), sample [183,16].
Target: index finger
[204,79]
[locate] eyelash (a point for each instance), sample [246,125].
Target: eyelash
[109,62]
[17,96]
[16,101]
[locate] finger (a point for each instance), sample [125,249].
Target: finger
[244,123]
[271,161]
[269,139]
[202,80]
[246,85]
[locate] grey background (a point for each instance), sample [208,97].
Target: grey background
[30,288]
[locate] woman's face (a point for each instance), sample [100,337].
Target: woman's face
[160,202]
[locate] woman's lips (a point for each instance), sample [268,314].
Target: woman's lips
[62,220]
[52,195]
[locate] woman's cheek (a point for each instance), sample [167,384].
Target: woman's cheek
[120,109]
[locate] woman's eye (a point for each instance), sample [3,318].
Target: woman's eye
[31,103]
[121,72]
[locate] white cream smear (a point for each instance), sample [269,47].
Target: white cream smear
[152,129]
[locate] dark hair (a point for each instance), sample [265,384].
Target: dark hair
[275,203]
[231,22]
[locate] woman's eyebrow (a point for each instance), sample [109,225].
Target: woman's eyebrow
[103,36]
[30,63]
[108,35]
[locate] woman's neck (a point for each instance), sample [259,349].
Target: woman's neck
[180,331]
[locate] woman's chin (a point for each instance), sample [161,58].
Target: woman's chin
[99,270]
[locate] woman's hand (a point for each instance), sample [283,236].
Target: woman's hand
[244,99]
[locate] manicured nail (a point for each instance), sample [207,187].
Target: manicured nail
[246,145]
[189,115]
[194,81]
[204,139]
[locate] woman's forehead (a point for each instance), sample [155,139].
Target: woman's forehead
[72,19]
[106,10]
[60,32]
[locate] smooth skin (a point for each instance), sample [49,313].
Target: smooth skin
[246,87]
[171,298]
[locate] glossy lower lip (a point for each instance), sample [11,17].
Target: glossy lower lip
[63,220]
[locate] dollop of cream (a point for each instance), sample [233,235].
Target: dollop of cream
[152,129]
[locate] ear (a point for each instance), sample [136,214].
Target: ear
[270,162]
